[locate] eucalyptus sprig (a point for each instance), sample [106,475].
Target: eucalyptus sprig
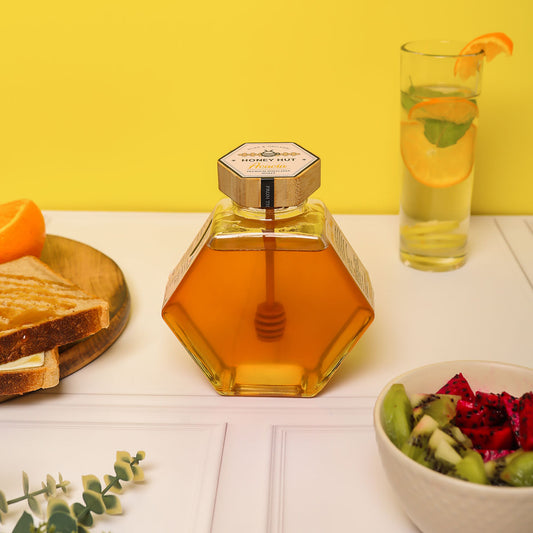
[62,518]
[48,489]
[96,500]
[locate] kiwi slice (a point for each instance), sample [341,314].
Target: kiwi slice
[441,407]
[519,470]
[445,453]
[495,467]
[416,446]
[418,452]
[397,415]
[459,436]
[471,468]
[437,436]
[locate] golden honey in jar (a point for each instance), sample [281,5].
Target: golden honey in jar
[270,297]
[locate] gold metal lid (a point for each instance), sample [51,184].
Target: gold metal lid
[269,175]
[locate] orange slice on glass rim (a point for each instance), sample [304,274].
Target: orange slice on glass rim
[491,44]
[452,109]
[433,166]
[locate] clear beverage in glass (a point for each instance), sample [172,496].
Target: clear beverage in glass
[439,121]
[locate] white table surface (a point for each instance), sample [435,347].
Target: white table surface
[266,465]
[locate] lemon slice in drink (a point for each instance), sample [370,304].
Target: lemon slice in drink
[433,166]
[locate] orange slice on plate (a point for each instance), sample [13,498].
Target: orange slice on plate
[491,44]
[433,166]
[22,230]
[452,109]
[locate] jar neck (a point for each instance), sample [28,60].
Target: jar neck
[277,213]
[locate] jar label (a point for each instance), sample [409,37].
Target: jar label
[256,160]
[187,260]
[350,259]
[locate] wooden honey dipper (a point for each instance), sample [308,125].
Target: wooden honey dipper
[270,315]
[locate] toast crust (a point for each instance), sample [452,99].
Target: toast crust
[14,382]
[40,310]
[36,338]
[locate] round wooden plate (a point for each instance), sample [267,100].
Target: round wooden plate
[96,273]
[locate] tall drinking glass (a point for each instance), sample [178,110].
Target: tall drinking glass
[439,117]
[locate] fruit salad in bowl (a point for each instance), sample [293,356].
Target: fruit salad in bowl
[456,443]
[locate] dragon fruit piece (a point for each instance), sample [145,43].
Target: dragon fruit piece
[525,410]
[473,414]
[492,438]
[490,399]
[511,405]
[493,455]
[496,417]
[468,414]
[458,386]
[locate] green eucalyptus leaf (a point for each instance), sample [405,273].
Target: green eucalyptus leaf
[91,482]
[25,483]
[86,519]
[63,523]
[114,484]
[140,455]
[24,524]
[94,501]
[138,473]
[112,504]
[3,502]
[443,133]
[50,485]
[123,471]
[77,508]
[82,529]
[124,456]
[57,505]
[35,506]
[63,483]
[83,515]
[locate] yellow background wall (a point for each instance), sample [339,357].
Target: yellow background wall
[127,105]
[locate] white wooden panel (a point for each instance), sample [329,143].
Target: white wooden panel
[181,466]
[326,478]
[242,490]
[518,234]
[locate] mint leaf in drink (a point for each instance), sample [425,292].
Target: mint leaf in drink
[443,133]
[408,101]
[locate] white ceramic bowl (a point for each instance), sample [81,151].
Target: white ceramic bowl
[437,503]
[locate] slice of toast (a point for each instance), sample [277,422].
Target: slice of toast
[40,310]
[14,382]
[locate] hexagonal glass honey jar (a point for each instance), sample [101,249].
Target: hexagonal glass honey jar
[270,297]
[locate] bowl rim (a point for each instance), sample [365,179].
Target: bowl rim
[502,491]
